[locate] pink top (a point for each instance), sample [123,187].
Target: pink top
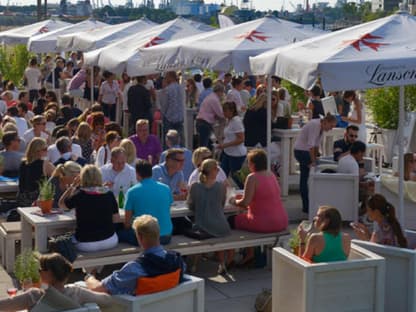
[210,109]
[77,81]
[266,213]
[310,136]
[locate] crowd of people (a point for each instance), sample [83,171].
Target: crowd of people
[97,168]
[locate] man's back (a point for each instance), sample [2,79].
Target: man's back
[138,101]
[348,165]
[11,163]
[152,262]
[154,198]
[174,110]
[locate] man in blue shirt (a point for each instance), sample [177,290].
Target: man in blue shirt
[154,261]
[207,83]
[170,173]
[147,197]
[173,141]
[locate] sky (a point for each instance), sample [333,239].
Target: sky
[258,4]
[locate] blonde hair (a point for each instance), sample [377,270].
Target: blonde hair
[141,122]
[206,168]
[199,155]
[130,149]
[33,149]
[83,132]
[68,169]
[50,115]
[9,126]
[148,227]
[8,95]
[91,176]
[37,119]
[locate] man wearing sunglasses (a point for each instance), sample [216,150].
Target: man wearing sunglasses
[170,172]
[342,146]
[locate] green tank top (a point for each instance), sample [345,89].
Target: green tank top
[333,250]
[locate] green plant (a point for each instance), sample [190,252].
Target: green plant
[241,175]
[297,94]
[384,105]
[26,266]
[294,240]
[46,190]
[13,62]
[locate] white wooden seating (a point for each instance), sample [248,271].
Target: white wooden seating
[353,285]
[409,211]
[335,189]
[10,232]
[186,297]
[185,245]
[400,287]
[88,307]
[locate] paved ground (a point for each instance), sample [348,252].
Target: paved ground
[235,291]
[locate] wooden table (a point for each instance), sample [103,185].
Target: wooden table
[9,187]
[44,226]
[288,137]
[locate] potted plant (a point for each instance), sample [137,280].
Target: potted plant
[294,242]
[383,104]
[26,269]
[46,194]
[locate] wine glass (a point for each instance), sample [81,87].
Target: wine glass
[12,292]
[306,225]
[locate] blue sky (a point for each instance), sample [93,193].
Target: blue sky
[258,4]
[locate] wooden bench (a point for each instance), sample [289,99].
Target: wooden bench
[353,285]
[186,297]
[185,245]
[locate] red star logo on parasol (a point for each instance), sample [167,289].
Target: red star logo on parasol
[365,41]
[43,29]
[252,35]
[153,42]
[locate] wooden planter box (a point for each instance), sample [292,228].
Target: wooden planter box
[400,287]
[353,285]
[409,216]
[335,189]
[186,297]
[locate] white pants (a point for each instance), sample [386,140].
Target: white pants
[108,243]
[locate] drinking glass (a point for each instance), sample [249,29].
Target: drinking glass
[12,292]
[306,225]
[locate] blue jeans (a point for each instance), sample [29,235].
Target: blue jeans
[204,130]
[129,236]
[231,164]
[304,159]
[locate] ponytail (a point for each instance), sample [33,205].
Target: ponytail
[202,177]
[397,230]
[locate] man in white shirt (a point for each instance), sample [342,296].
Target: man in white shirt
[21,123]
[54,154]
[118,175]
[33,77]
[349,163]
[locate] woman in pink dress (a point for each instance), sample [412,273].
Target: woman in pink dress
[265,211]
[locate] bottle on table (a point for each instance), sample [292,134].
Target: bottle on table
[121,198]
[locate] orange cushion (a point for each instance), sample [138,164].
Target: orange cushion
[149,285]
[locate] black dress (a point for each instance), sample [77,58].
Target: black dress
[29,178]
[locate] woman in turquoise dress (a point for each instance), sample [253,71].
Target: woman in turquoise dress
[329,244]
